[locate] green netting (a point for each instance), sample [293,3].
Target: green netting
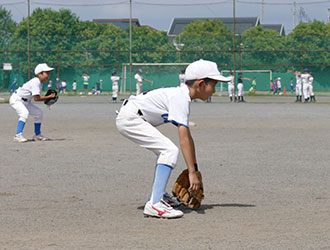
[74,56]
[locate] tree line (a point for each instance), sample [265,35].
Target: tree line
[60,38]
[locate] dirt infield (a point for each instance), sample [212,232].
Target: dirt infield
[265,165]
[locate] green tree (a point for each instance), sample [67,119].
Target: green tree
[202,38]
[7,27]
[310,40]
[263,48]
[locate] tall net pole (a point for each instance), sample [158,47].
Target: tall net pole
[130,46]
[28,29]
[234,42]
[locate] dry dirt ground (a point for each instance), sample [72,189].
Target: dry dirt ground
[265,165]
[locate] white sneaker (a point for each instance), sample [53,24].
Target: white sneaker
[171,200]
[39,138]
[19,138]
[161,210]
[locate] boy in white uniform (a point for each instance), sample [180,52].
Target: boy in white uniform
[231,86]
[305,84]
[115,85]
[140,115]
[21,102]
[298,86]
[182,79]
[311,88]
[139,79]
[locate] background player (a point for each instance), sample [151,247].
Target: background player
[21,102]
[305,84]
[310,82]
[140,115]
[240,87]
[231,86]
[182,80]
[139,79]
[115,85]
[298,86]
[86,79]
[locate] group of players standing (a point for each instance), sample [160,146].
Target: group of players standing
[304,86]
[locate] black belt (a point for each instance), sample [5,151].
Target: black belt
[139,112]
[24,99]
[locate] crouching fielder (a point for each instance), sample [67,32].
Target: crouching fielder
[21,102]
[140,115]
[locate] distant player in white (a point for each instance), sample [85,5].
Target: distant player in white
[311,88]
[231,87]
[140,115]
[115,85]
[240,87]
[298,86]
[74,86]
[305,84]
[21,102]
[139,79]
[279,85]
[182,79]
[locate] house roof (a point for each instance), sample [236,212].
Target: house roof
[277,27]
[121,23]
[241,24]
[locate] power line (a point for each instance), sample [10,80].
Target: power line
[183,4]
[79,4]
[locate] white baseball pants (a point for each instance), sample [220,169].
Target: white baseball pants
[306,91]
[311,92]
[132,125]
[240,89]
[115,91]
[231,90]
[23,109]
[138,88]
[298,89]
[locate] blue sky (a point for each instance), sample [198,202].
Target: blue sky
[159,15]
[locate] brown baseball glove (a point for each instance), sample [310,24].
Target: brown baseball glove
[180,190]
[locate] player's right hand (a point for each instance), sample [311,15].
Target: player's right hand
[195,183]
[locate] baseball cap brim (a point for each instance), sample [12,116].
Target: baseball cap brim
[220,78]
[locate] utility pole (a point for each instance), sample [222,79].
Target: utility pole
[262,12]
[130,47]
[294,14]
[328,15]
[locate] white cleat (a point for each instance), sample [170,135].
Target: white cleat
[19,138]
[39,138]
[161,210]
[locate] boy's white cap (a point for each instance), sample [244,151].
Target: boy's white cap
[204,69]
[42,67]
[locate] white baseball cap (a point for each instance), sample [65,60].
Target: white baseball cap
[42,67]
[204,69]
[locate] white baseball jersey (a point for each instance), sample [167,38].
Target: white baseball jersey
[30,89]
[279,85]
[85,78]
[304,78]
[164,105]
[138,77]
[231,82]
[182,79]
[310,80]
[115,80]
[74,85]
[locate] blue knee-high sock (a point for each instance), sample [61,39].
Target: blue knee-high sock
[20,127]
[162,174]
[37,127]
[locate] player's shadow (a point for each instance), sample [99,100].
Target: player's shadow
[204,207]
[53,139]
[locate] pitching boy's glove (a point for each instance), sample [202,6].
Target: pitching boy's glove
[180,190]
[52,100]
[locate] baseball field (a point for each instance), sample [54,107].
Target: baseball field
[265,166]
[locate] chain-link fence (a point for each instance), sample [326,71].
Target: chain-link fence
[72,57]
